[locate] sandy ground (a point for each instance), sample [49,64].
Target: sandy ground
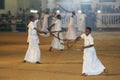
[56,65]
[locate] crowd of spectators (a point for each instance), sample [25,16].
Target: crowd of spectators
[11,22]
[15,23]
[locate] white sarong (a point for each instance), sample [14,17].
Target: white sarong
[91,63]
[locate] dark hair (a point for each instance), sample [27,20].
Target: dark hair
[73,14]
[89,28]
[31,17]
[58,17]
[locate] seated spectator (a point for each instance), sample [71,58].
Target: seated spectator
[13,24]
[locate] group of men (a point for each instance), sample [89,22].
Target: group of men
[91,64]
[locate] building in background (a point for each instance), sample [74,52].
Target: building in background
[83,5]
[109,9]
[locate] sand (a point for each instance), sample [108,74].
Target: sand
[56,65]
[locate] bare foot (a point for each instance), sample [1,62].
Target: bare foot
[37,62]
[105,72]
[24,61]
[83,74]
[50,49]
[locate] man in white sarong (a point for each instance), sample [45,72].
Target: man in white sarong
[91,64]
[33,52]
[82,23]
[72,32]
[57,42]
[38,21]
[45,22]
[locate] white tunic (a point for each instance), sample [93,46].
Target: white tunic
[72,32]
[56,43]
[37,25]
[91,63]
[45,23]
[82,23]
[33,52]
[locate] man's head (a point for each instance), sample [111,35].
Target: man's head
[58,17]
[31,18]
[87,30]
[73,13]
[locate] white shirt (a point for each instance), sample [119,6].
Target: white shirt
[88,40]
[45,21]
[82,17]
[31,29]
[57,25]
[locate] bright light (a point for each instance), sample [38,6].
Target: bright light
[58,11]
[85,0]
[33,11]
[79,11]
[99,11]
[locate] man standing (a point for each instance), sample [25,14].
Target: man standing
[91,64]
[33,52]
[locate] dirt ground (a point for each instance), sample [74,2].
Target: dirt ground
[56,65]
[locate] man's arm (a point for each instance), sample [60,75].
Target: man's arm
[37,29]
[77,38]
[50,27]
[88,46]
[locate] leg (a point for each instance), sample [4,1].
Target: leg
[68,42]
[83,74]
[37,62]
[24,61]
[61,50]
[105,72]
[50,49]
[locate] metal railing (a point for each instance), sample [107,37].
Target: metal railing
[108,20]
[20,27]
